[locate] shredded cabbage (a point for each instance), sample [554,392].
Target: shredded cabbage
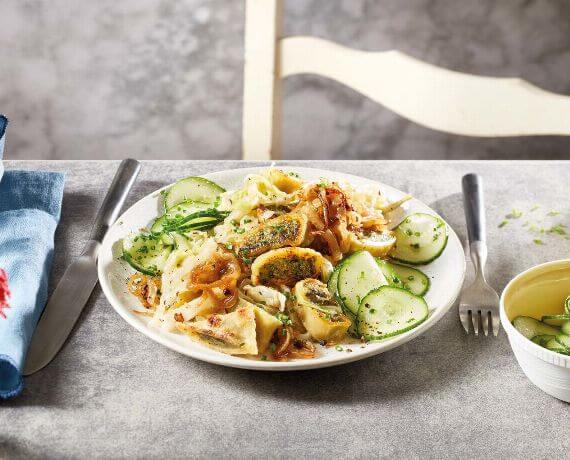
[257,190]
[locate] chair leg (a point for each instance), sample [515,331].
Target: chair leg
[262,82]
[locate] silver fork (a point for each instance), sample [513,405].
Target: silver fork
[479,302]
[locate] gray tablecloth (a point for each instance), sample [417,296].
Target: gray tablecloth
[113,393]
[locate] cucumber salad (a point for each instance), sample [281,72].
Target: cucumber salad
[281,266]
[551,332]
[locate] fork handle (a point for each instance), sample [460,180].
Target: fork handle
[474,207]
[475,217]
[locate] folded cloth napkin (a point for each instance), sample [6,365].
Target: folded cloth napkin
[30,205]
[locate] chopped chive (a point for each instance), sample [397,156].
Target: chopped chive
[559,229]
[514,214]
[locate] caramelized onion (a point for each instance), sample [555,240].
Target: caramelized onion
[332,243]
[324,206]
[145,288]
[331,219]
[291,346]
[283,342]
[342,235]
[217,279]
[301,349]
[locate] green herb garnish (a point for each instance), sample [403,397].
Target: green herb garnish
[514,214]
[284,319]
[559,229]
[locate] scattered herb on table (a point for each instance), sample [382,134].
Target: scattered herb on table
[540,224]
[514,214]
[559,229]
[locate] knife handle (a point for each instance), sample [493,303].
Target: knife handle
[115,198]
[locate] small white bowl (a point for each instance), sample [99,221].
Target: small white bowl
[540,290]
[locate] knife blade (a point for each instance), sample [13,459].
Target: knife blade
[75,287]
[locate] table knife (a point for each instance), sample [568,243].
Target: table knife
[79,280]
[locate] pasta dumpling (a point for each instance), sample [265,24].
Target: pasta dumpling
[233,333]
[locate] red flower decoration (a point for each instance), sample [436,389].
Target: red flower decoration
[4,293]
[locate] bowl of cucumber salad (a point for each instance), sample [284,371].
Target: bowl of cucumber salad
[535,313]
[281,268]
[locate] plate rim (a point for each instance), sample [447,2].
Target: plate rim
[214,357]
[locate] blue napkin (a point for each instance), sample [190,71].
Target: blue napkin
[30,205]
[3,125]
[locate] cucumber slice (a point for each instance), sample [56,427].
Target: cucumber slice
[565,328]
[408,278]
[178,212]
[358,276]
[192,189]
[555,345]
[146,253]
[542,340]
[555,320]
[389,311]
[530,327]
[158,224]
[200,220]
[420,239]
[412,279]
[332,286]
[167,238]
[332,283]
[564,340]
[389,273]
[567,306]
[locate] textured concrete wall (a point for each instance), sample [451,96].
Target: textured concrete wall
[163,79]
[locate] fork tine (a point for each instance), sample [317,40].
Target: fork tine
[475,318]
[495,323]
[464,317]
[485,321]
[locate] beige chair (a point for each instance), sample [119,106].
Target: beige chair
[431,96]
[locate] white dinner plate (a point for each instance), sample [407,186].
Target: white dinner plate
[446,275]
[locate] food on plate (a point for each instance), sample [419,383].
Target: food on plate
[281,231]
[551,332]
[286,266]
[320,313]
[282,266]
[420,239]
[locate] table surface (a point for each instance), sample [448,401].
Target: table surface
[112,392]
